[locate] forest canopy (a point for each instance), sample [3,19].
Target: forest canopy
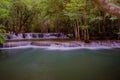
[79,17]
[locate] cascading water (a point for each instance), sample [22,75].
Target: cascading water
[36,36]
[55,44]
[62,45]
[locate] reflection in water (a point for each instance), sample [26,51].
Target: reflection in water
[3,54]
[40,64]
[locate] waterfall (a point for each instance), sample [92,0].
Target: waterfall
[54,45]
[62,45]
[24,36]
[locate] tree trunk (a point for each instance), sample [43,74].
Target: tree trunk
[118,29]
[78,30]
[99,28]
[87,32]
[85,35]
[75,31]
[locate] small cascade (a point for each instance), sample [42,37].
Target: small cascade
[20,36]
[100,44]
[24,36]
[28,36]
[16,44]
[12,36]
[63,45]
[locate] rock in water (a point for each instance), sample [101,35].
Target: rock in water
[1,45]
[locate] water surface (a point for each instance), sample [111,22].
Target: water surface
[41,64]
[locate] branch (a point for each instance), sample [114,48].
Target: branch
[110,7]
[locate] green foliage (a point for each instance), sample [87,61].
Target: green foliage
[84,27]
[56,16]
[113,18]
[75,9]
[4,12]
[2,34]
[4,8]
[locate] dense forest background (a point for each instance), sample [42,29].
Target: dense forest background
[79,17]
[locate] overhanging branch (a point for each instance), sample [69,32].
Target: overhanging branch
[110,7]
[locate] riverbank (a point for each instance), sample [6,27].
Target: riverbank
[62,44]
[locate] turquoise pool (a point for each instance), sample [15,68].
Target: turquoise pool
[42,64]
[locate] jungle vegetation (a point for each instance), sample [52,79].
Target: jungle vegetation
[79,17]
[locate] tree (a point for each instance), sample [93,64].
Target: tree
[74,10]
[2,34]
[4,12]
[51,13]
[109,7]
[78,17]
[22,15]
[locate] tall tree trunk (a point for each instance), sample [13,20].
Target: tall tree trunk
[82,34]
[118,29]
[75,30]
[78,30]
[99,26]
[87,32]
[85,35]
[103,25]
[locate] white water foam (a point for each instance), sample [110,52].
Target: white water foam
[59,47]
[62,46]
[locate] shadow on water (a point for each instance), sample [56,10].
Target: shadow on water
[41,64]
[3,54]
